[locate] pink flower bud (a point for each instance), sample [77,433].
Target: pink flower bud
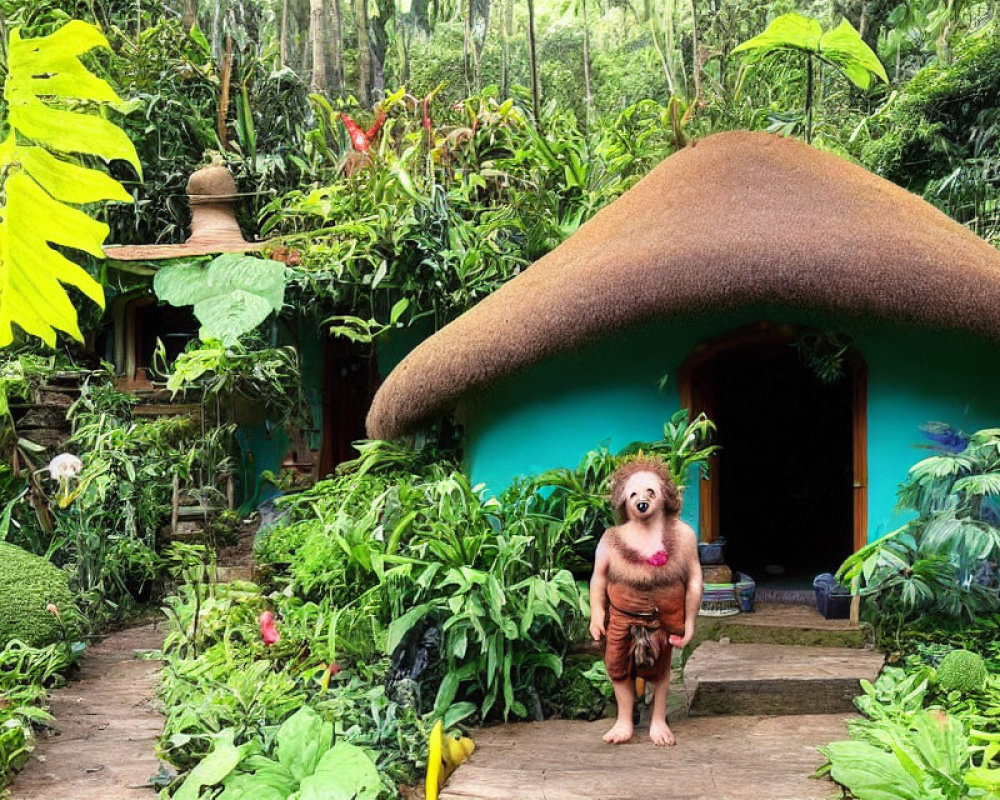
[268,632]
[53,609]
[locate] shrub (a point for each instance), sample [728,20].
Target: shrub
[963,671]
[27,585]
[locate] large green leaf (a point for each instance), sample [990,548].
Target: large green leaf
[302,740]
[845,48]
[344,773]
[842,47]
[400,626]
[789,31]
[212,769]
[265,779]
[870,773]
[44,76]
[231,297]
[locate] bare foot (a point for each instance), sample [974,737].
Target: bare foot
[620,733]
[660,733]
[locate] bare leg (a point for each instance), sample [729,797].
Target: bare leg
[622,730]
[659,731]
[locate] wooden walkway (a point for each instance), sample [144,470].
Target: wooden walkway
[716,758]
[107,727]
[777,678]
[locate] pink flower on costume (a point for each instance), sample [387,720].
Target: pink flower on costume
[658,559]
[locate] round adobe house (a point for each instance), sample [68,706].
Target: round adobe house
[724,269]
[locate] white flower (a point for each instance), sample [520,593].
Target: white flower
[65,465]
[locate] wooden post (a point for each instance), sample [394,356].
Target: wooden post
[855,602]
[175,505]
[230,492]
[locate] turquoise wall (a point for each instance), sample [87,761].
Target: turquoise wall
[550,414]
[264,443]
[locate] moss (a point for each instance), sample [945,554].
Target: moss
[963,671]
[27,585]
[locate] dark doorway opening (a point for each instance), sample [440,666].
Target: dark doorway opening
[351,378]
[785,471]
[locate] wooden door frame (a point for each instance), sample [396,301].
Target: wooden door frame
[698,399]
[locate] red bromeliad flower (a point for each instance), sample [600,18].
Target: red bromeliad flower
[268,632]
[658,559]
[362,140]
[372,132]
[358,140]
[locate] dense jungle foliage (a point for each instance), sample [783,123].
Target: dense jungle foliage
[405,160]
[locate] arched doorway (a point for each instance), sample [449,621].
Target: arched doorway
[788,489]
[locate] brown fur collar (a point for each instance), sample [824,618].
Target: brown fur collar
[629,566]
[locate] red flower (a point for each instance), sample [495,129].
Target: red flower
[268,632]
[658,559]
[334,668]
[362,140]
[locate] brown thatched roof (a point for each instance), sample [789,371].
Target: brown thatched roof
[735,219]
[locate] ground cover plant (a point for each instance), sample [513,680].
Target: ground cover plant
[931,725]
[26,675]
[941,562]
[35,594]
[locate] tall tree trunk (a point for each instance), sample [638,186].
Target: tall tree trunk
[480,29]
[335,44]
[317,34]
[190,14]
[533,64]
[467,47]
[385,11]
[364,53]
[283,34]
[588,96]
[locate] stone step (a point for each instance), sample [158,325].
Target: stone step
[240,572]
[780,623]
[739,679]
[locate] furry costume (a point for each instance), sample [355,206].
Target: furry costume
[646,606]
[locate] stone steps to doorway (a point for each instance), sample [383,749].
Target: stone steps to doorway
[781,623]
[739,679]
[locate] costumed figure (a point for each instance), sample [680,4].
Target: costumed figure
[645,592]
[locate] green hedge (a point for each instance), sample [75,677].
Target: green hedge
[27,585]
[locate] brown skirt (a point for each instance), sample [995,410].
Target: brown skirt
[660,611]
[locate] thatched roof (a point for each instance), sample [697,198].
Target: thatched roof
[736,219]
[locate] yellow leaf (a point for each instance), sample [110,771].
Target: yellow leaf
[31,271]
[38,184]
[68,182]
[71,132]
[48,220]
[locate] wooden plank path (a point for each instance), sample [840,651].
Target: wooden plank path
[716,758]
[107,728]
